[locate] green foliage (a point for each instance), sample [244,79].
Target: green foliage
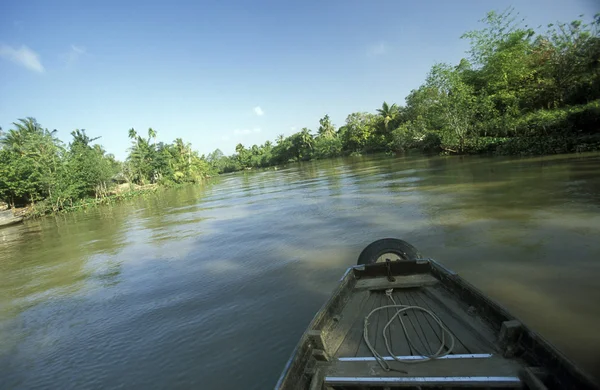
[35,167]
[149,162]
[517,83]
[521,91]
[326,128]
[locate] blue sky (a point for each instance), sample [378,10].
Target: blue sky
[217,73]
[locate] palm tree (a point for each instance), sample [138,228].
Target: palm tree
[132,133]
[306,138]
[326,129]
[280,139]
[80,137]
[388,113]
[152,134]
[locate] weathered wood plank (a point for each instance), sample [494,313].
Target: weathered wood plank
[405,281]
[363,350]
[471,332]
[376,332]
[492,367]
[418,345]
[448,320]
[432,341]
[337,330]
[354,337]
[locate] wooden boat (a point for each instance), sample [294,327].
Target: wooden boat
[421,308]
[8,218]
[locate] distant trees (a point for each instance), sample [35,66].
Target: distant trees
[151,162]
[520,91]
[37,167]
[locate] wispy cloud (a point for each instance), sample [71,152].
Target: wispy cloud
[23,56]
[72,56]
[259,111]
[378,49]
[247,131]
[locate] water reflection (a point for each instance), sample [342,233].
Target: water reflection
[176,288]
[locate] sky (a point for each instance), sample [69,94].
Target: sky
[219,73]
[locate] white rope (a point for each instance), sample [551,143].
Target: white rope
[399,310]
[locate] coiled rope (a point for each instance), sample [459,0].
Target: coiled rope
[399,310]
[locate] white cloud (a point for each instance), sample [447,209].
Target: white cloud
[256,130]
[73,55]
[378,49]
[23,56]
[225,138]
[259,111]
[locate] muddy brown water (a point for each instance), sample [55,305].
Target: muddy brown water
[211,286]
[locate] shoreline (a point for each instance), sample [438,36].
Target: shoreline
[43,209]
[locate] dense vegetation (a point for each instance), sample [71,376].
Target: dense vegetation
[520,91]
[35,167]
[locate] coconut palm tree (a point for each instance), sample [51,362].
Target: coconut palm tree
[306,138]
[132,133]
[388,113]
[326,128]
[152,135]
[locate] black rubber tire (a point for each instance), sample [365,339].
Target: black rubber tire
[374,250]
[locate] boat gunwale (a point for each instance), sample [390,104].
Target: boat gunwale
[494,315]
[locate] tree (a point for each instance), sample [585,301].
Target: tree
[456,103]
[31,156]
[87,171]
[152,135]
[326,128]
[388,114]
[358,130]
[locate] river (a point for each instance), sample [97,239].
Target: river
[211,286]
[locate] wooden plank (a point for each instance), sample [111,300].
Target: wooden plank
[529,377]
[432,341]
[376,319]
[376,331]
[363,350]
[317,380]
[510,331]
[406,281]
[435,335]
[419,345]
[354,337]
[472,332]
[365,383]
[450,322]
[336,332]
[495,366]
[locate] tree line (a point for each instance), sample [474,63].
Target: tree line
[519,91]
[37,168]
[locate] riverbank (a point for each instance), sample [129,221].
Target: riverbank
[535,146]
[118,194]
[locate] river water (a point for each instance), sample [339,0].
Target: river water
[211,286]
